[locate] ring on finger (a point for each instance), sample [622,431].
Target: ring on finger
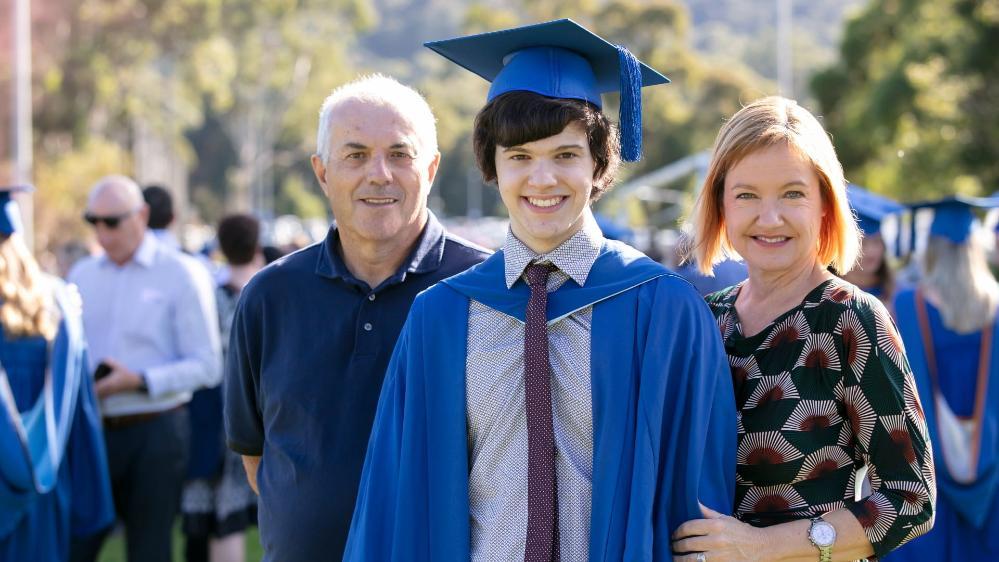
[701,557]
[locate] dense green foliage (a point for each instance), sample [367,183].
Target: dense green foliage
[679,118]
[913,103]
[229,89]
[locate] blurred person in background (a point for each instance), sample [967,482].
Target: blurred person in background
[872,274]
[161,214]
[272,253]
[161,218]
[150,319]
[949,326]
[54,484]
[724,274]
[821,378]
[218,503]
[313,332]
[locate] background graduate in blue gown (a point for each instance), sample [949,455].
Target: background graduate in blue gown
[873,273]
[643,408]
[949,326]
[53,474]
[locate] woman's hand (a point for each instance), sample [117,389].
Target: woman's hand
[718,538]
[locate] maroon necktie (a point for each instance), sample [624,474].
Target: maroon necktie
[541,500]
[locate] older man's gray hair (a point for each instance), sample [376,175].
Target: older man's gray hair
[380,89]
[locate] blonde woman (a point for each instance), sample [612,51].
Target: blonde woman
[822,384]
[53,475]
[948,324]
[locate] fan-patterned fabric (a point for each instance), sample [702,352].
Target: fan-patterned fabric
[822,391]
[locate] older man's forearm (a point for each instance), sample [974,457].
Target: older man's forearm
[250,464]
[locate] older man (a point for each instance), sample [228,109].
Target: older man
[149,315]
[314,331]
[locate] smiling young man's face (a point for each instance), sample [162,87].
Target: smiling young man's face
[377,175]
[546,186]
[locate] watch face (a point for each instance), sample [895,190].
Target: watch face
[823,534]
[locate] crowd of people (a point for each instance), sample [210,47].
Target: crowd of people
[395,392]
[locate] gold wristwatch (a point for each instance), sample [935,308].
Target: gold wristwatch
[822,535]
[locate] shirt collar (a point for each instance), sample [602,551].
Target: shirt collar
[425,257]
[429,251]
[166,238]
[574,257]
[144,255]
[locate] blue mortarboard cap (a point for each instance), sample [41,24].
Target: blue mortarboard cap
[871,208]
[10,218]
[558,59]
[954,217]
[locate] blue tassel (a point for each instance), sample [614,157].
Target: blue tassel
[631,106]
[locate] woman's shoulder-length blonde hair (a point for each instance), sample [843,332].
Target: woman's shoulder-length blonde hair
[761,124]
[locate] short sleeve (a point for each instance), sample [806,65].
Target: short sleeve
[243,404]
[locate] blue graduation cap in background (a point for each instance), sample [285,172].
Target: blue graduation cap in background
[871,208]
[613,230]
[954,217]
[558,59]
[10,218]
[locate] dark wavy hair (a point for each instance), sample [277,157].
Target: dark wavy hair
[517,118]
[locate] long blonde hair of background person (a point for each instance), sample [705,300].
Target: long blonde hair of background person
[959,277]
[28,307]
[764,123]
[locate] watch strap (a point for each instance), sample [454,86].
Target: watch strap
[825,552]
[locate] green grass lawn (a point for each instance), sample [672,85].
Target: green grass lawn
[114,548]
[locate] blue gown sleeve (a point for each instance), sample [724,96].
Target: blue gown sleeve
[242,402]
[412,502]
[92,505]
[697,442]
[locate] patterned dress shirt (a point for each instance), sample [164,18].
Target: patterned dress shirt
[497,418]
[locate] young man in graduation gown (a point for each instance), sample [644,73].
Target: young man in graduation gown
[568,398]
[950,328]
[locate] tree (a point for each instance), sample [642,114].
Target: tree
[679,119]
[914,100]
[242,73]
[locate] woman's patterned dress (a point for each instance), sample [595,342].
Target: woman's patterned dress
[824,391]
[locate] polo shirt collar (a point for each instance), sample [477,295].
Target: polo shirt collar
[426,256]
[429,251]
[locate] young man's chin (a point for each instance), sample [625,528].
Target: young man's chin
[542,239]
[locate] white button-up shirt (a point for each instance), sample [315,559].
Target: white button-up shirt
[156,315]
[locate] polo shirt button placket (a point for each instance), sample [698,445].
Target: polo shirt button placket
[371,297]
[368,327]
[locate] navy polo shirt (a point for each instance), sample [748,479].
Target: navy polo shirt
[309,348]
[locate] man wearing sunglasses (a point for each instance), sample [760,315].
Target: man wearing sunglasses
[149,316]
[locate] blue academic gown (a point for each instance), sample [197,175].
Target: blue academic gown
[966,523]
[664,430]
[53,468]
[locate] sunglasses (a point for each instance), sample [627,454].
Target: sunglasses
[111,222]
